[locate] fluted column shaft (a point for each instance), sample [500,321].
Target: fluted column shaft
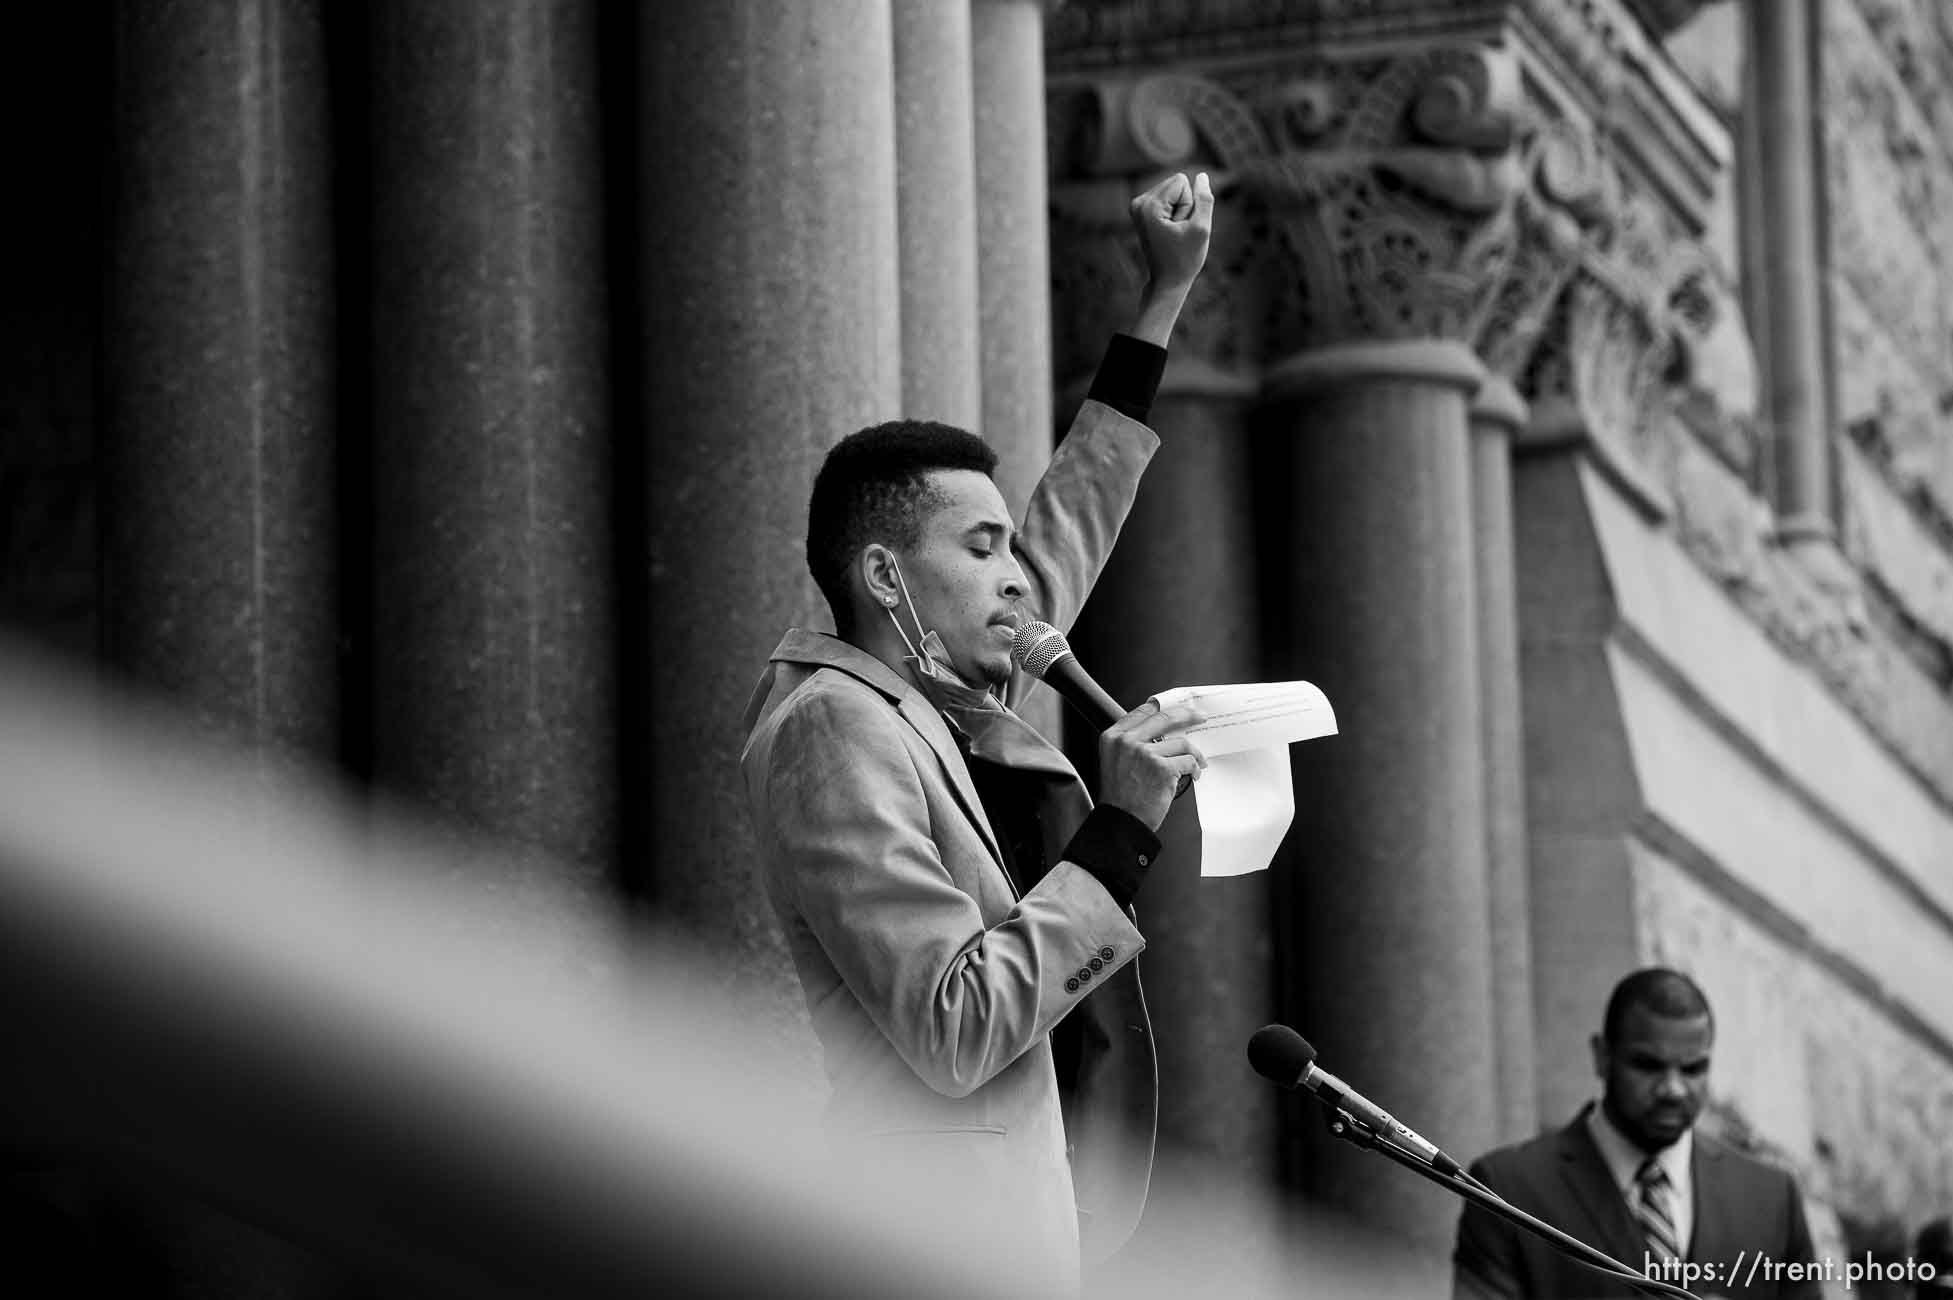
[1013,256]
[1178,606]
[1387,891]
[492,666]
[1497,413]
[218,462]
[219,496]
[942,357]
[771,330]
[1780,44]
[1014,291]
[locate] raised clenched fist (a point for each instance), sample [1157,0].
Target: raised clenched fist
[1175,220]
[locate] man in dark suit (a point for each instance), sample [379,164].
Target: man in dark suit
[1632,1177]
[1932,1260]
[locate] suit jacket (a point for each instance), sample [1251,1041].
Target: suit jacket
[1744,1210]
[932,982]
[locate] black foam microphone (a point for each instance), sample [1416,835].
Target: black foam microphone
[1042,651]
[1284,1057]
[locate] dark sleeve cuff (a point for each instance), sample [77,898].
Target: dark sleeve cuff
[1129,376]
[1116,848]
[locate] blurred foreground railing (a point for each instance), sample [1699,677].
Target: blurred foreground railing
[367,1037]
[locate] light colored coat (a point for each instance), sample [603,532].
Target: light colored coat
[932,985]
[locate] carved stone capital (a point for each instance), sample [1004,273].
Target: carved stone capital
[1554,216]
[1365,200]
[1397,194]
[1603,368]
[1399,244]
[1599,59]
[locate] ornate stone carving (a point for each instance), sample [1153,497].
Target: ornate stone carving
[1594,57]
[1590,39]
[1380,195]
[1715,366]
[1380,198]
[1600,364]
[1160,121]
[1551,219]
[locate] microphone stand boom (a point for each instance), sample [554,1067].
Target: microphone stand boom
[1347,1127]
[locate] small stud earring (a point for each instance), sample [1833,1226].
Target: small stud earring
[888,600]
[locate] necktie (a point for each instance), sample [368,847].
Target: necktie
[1655,1207]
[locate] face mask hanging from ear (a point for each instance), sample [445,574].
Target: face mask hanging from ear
[994,732]
[927,653]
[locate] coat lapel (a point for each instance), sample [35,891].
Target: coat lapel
[927,720]
[1592,1187]
[814,650]
[1010,741]
[1712,1236]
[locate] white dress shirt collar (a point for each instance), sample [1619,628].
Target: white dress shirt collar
[1623,1159]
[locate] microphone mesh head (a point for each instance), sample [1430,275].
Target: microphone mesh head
[1037,646]
[1280,1055]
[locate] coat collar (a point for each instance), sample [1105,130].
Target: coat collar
[823,650]
[1592,1183]
[812,651]
[1714,1200]
[1586,1176]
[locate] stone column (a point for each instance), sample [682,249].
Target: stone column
[493,660]
[1497,413]
[1180,603]
[1013,261]
[1013,264]
[1395,211]
[218,456]
[1178,606]
[1792,329]
[771,329]
[219,491]
[1598,397]
[1387,893]
[1363,238]
[1582,795]
[942,355]
[1563,190]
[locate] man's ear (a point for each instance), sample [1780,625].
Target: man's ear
[1598,1046]
[876,566]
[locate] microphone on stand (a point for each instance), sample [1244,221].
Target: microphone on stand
[1284,1057]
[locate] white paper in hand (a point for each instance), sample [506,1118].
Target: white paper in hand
[1245,798]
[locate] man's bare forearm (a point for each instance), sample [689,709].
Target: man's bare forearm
[1159,311]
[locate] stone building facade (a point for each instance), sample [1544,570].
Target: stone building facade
[1632,322]
[1570,395]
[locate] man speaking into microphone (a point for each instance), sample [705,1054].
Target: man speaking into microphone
[949,891]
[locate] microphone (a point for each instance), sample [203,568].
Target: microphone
[1042,651]
[1284,1057]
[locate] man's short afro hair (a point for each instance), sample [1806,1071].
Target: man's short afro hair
[873,487]
[1658,990]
